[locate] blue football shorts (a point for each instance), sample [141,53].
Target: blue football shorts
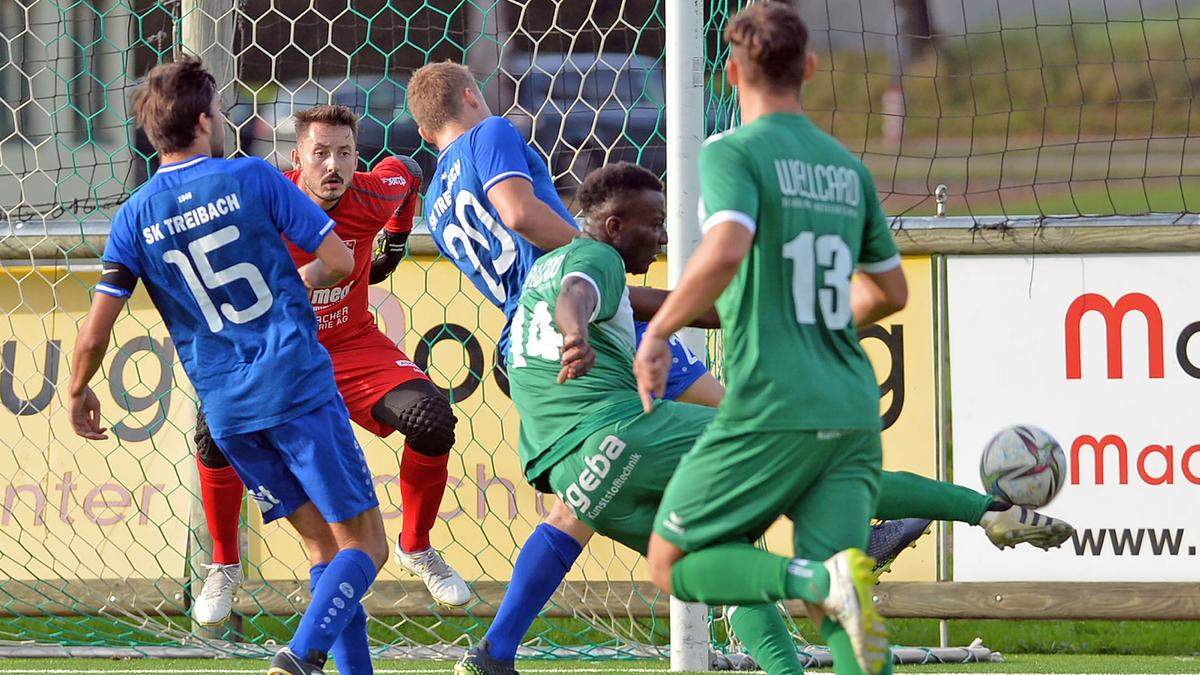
[313,457]
[686,367]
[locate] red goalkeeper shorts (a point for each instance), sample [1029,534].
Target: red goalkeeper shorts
[366,367]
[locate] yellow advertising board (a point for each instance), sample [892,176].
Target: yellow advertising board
[120,508]
[75,509]
[901,349]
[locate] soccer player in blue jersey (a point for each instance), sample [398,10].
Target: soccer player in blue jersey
[203,234]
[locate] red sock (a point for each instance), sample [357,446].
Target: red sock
[422,484]
[221,493]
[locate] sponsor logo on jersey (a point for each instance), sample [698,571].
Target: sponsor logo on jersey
[444,200]
[818,182]
[323,297]
[394,180]
[544,270]
[405,363]
[192,218]
[578,495]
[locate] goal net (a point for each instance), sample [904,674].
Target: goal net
[1041,109]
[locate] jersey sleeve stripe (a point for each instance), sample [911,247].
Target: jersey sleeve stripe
[595,287]
[885,265]
[112,290]
[507,174]
[325,230]
[729,215]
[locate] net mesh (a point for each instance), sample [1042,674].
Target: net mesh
[1080,108]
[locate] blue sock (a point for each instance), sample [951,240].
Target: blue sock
[336,595]
[351,651]
[542,564]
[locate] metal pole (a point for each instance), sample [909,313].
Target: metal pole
[941,361]
[685,132]
[206,31]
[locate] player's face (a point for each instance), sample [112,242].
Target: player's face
[326,156]
[643,230]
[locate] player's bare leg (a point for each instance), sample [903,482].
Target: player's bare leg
[662,556]
[704,391]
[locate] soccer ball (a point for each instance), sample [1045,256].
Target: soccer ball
[1023,465]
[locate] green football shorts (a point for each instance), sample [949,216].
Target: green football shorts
[732,486]
[615,480]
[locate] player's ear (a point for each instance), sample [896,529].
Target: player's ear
[427,137]
[296,157]
[204,124]
[731,72]
[810,65]
[612,227]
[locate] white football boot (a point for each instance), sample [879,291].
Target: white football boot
[215,601]
[1020,525]
[444,584]
[852,604]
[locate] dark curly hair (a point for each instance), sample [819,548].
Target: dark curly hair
[609,183]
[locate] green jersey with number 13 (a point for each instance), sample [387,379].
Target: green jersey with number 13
[556,418]
[792,358]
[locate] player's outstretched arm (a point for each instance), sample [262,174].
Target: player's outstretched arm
[90,346]
[646,301]
[394,242]
[708,272]
[334,262]
[577,303]
[876,295]
[522,212]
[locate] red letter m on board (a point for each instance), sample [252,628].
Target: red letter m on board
[1114,317]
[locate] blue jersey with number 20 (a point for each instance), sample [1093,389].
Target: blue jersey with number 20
[465,225]
[203,235]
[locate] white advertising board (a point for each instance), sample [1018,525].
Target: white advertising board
[1101,352]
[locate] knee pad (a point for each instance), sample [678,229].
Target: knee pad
[428,425]
[206,448]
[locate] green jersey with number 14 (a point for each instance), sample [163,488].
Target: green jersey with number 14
[556,418]
[792,358]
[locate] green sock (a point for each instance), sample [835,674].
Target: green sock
[907,495]
[762,630]
[707,576]
[844,662]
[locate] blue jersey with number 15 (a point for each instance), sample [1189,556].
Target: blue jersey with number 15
[464,224]
[203,235]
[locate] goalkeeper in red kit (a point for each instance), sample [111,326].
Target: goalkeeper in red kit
[383,390]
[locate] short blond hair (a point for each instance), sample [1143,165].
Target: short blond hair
[435,94]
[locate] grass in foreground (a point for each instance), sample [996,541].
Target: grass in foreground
[1017,663]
